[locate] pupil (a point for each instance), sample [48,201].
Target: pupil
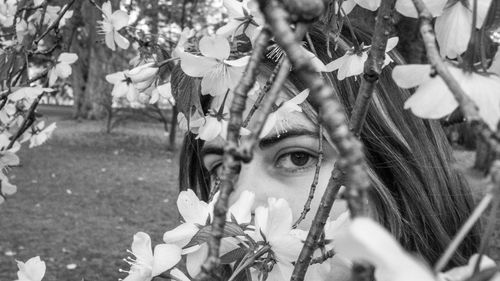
[299,158]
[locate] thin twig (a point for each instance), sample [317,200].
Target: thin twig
[260,117]
[485,239]
[318,224]
[54,24]
[314,184]
[263,93]
[331,115]
[462,232]
[373,65]
[495,191]
[326,255]
[231,161]
[27,122]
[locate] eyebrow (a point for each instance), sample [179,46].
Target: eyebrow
[264,142]
[274,139]
[211,149]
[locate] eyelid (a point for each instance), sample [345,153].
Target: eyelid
[211,160]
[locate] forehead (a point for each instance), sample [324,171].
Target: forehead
[293,121]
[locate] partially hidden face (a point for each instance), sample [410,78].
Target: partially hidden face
[283,164]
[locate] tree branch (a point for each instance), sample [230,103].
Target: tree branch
[468,106]
[263,93]
[231,161]
[314,184]
[331,115]
[260,117]
[373,65]
[27,122]
[55,24]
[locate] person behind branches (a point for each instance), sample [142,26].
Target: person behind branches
[415,193]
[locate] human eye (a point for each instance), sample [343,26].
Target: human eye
[294,161]
[213,163]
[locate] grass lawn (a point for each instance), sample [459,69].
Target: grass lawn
[83,195]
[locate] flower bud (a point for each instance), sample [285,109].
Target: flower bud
[143,72]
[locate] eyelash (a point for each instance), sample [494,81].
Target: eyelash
[278,163]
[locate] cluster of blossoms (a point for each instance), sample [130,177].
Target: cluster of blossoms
[263,245]
[17,110]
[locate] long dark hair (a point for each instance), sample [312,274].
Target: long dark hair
[417,193]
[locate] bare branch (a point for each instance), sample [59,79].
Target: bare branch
[314,184]
[27,122]
[331,115]
[263,93]
[468,106]
[231,161]
[318,224]
[54,24]
[373,65]
[248,144]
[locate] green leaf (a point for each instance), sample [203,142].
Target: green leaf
[186,92]
[203,235]
[234,255]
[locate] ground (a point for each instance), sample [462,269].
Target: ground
[85,193]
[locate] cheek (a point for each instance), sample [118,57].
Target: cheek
[338,207]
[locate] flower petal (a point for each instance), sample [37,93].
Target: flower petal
[287,248]
[348,6]
[196,66]
[192,209]
[109,39]
[336,64]
[483,90]
[234,8]
[453,30]
[121,41]
[367,240]
[116,77]
[371,5]
[63,70]
[141,247]
[210,130]
[391,43]
[411,75]
[106,9]
[353,65]
[466,271]
[482,11]
[195,260]
[229,28]
[285,269]
[166,256]
[181,235]
[279,222]
[214,47]
[241,62]
[217,82]
[432,100]
[270,123]
[33,269]
[119,19]
[67,58]
[179,274]
[407,8]
[119,90]
[242,208]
